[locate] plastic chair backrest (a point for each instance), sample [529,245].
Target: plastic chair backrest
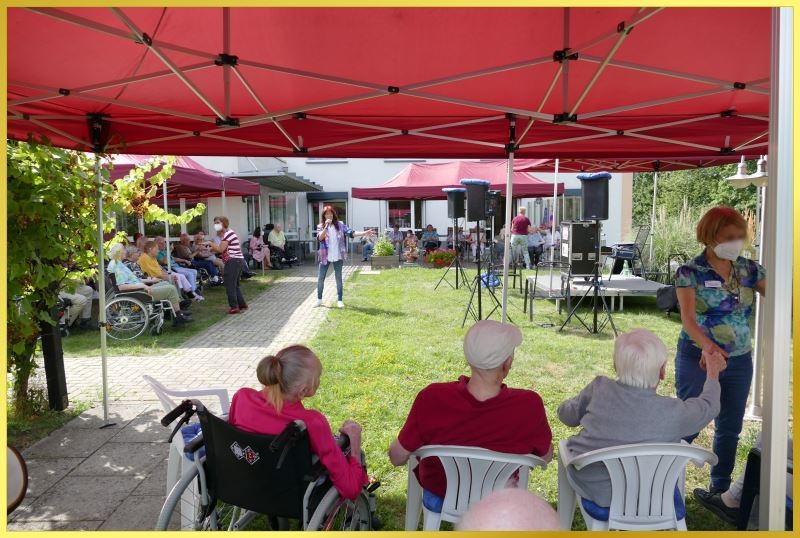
[643,480]
[165,395]
[473,473]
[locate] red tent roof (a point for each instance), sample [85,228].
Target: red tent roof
[635,85]
[419,181]
[191,180]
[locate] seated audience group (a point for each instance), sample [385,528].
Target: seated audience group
[480,410]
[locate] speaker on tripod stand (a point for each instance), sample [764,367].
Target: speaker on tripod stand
[594,194]
[455,211]
[477,190]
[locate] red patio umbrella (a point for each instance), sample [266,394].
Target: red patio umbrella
[191,180]
[420,181]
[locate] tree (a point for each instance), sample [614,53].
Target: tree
[699,187]
[52,230]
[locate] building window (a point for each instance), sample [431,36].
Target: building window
[152,229]
[253,212]
[400,213]
[283,211]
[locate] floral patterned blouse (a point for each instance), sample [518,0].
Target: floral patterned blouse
[723,308]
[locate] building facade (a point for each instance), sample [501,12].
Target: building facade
[294,190]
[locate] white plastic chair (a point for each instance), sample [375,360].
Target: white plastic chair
[472,473]
[643,480]
[177,464]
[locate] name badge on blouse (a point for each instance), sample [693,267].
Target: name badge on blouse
[713,284]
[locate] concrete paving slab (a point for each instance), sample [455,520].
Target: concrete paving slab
[70,443]
[155,483]
[123,459]
[136,513]
[120,414]
[81,498]
[43,473]
[144,428]
[54,526]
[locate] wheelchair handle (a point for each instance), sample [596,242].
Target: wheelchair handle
[184,407]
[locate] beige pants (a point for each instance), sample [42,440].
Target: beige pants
[81,303]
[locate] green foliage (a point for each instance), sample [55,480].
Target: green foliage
[51,219]
[383,247]
[701,187]
[675,235]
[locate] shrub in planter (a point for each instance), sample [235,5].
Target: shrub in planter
[383,247]
[441,257]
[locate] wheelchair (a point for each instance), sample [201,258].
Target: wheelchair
[240,476]
[131,313]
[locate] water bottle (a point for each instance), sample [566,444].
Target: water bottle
[626,270]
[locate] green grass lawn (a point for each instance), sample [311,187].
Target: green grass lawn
[397,335]
[205,313]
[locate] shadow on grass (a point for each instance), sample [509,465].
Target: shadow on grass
[371,311]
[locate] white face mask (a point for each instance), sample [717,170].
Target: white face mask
[729,250]
[217,226]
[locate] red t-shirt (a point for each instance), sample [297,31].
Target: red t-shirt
[519,225]
[252,413]
[513,422]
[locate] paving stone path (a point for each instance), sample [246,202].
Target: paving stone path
[83,477]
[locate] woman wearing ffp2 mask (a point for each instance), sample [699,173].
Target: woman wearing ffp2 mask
[716,292]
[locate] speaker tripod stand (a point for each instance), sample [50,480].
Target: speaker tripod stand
[597,295]
[455,265]
[475,308]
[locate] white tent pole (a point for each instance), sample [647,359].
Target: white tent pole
[166,223]
[101,285]
[507,238]
[758,352]
[776,332]
[554,217]
[653,218]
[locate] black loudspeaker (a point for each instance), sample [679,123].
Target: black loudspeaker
[455,203]
[579,246]
[594,195]
[492,203]
[476,198]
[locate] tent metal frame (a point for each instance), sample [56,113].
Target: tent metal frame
[231,64]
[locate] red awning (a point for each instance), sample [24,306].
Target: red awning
[191,180]
[419,181]
[635,85]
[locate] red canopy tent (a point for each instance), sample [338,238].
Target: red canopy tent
[595,87]
[191,180]
[626,89]
[419,181]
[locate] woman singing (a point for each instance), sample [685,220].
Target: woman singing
[716,292]
[331,234]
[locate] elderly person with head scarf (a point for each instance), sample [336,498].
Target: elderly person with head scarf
[628,410]
[477,410]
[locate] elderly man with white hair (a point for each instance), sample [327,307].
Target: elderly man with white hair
[629,411]
[510,509]
[479,410]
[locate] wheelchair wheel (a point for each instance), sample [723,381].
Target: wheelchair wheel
[126,318]
[335,513]
[184,510]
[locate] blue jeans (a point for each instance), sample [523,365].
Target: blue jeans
[323,272]
[208,265]
[368,248]
[735,384]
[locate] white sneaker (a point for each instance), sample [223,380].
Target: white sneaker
[198,297]
[318,303]
[340,304]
